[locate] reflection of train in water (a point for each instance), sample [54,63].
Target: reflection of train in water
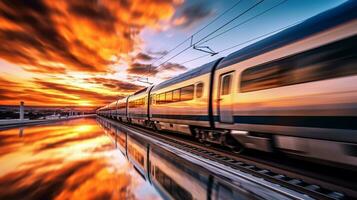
[294,92]
[177,178]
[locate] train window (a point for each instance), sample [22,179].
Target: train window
[174,189]
[187,93]
[121,105]
[226,84]
[136,155]
[158,99]
[199,90]
[152,99]
[162,98]
[330,61]
[176,95]
[168,97]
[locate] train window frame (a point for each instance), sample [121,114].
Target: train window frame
[192,90]
[158,99]
[173,95]
[162,98]
[228,90]
[174,189]
[152,99]
[320,62]
[199,93]
[167,94]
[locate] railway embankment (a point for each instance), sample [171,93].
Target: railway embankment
[11,123]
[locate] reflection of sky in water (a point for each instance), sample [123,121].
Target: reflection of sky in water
[67,160]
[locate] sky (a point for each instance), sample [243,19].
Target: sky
[92,52]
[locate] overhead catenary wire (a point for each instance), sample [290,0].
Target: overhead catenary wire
[245,21]
[245,42]
[201,29]
[214,31]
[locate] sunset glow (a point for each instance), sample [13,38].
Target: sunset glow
[89,53]
[64,52]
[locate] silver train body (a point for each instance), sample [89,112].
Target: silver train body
[294,92]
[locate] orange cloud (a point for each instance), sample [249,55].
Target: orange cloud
[55,36]
[140,68]
[52,40]
[57,94]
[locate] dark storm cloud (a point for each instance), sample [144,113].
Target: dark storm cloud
[147,69]
[78,92]
[143,57]
[43,35]
[158,53]
[193,14]
[174,67]
[33,37]
[115,84]
[142,69]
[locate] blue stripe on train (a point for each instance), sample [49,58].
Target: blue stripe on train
[183,117]
[336,122]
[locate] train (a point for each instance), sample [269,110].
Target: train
[294,92]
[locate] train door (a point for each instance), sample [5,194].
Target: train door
[225,98]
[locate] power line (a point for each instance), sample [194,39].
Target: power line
[247,41]
[262,36]
[249,19]
[230,21]
[190,37]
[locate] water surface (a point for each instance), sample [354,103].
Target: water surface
[68,160]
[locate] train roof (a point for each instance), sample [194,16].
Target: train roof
[325,20]
[204,69]
[112,104]
[140,92]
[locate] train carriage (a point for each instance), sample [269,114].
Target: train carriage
[104,111]
[183,102]
[295,90]
[112,109]
[138,107]
[122,109]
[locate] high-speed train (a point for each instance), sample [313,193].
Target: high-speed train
[293,92]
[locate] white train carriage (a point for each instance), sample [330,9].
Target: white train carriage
[138,107]
[295,91]
[104,111]
[98,111]
[181,103]
[112,109]
[122,110]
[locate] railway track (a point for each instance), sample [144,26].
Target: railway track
[300,177]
